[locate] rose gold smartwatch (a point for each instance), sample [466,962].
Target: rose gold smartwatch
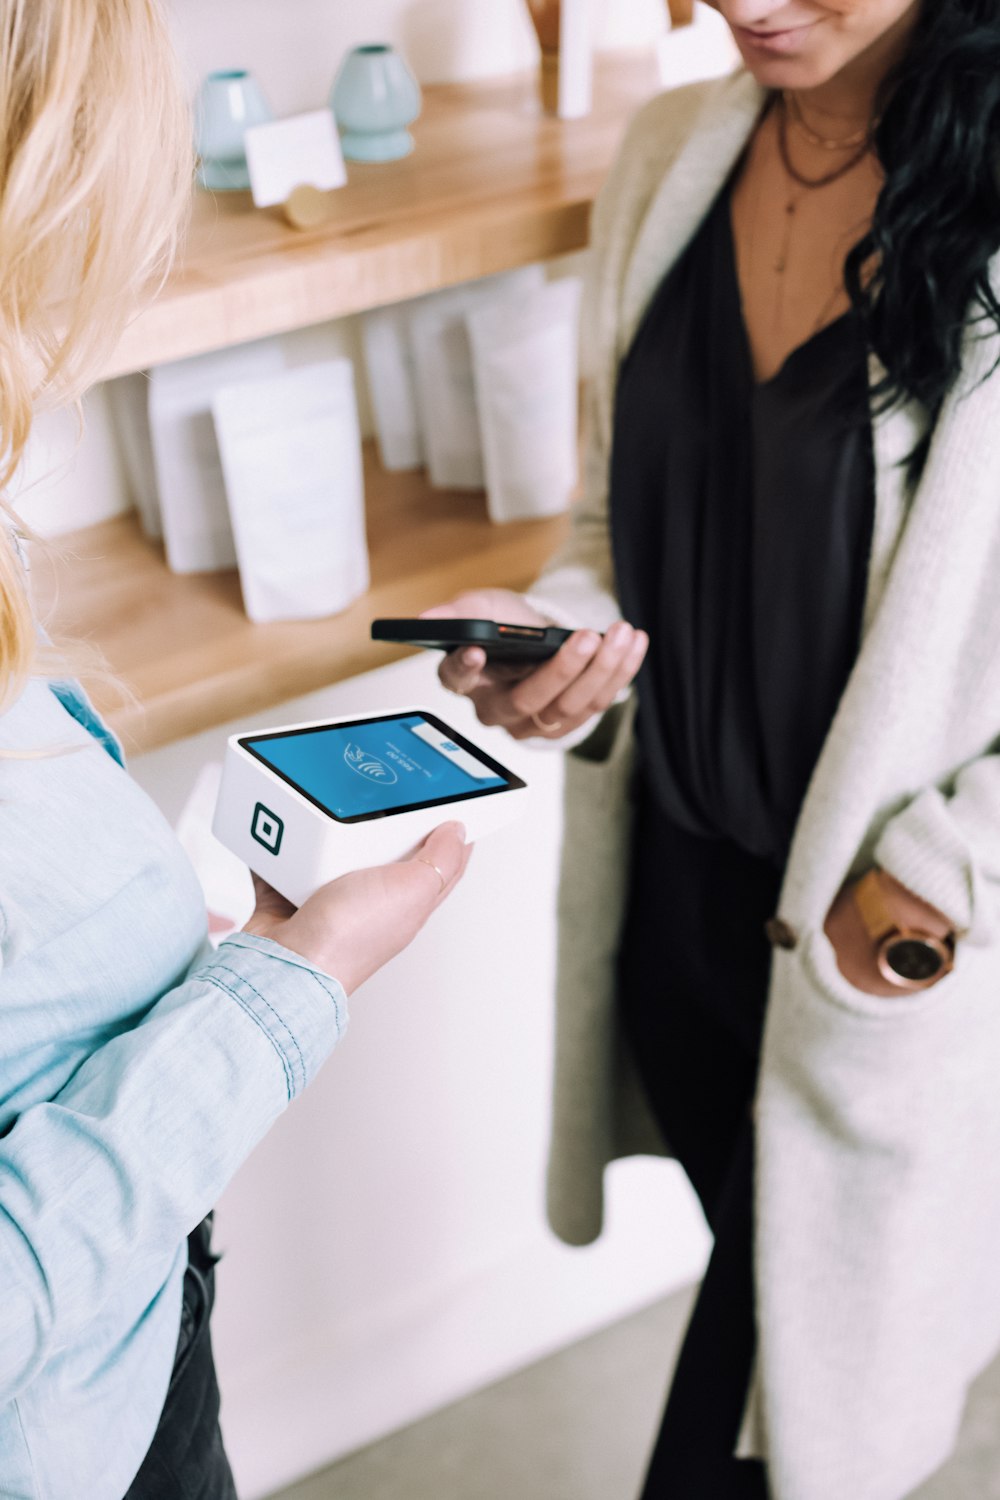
[907,957]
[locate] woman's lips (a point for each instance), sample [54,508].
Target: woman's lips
[773,43]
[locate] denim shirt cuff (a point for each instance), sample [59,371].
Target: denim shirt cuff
[302,1010]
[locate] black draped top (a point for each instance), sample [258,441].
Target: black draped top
[741,519]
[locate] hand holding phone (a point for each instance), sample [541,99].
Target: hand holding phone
[553,699]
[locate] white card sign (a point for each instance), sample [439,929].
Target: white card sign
[286,154]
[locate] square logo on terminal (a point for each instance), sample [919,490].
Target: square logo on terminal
[267,828]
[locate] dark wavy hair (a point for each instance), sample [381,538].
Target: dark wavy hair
[937,222]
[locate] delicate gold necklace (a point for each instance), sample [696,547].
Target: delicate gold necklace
[862,146]
[844,143]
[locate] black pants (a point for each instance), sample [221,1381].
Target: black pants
[693,976]
[186,1460]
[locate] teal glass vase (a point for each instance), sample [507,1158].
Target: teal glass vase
[229,102]
[374,98]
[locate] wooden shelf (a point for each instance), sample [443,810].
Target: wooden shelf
[493,184]
[187,650]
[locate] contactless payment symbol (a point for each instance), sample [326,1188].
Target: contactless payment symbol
[369,766]
[267,828]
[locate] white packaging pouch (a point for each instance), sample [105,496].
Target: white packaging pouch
[196,529]
[445,385]
[128,402]
[291,454]
[385,335]
[526,361]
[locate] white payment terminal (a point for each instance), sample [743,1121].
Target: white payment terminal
[306,803]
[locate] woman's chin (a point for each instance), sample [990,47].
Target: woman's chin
[796,74]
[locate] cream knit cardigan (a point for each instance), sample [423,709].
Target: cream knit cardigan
[878,1120]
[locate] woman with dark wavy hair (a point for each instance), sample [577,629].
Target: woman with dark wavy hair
[780,944]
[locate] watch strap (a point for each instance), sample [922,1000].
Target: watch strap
[870,900]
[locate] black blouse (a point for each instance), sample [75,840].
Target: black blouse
[741,518]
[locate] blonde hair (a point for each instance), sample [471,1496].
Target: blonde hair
[96,166]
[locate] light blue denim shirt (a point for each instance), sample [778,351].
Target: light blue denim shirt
[137,1070]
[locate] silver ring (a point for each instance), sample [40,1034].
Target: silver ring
[430,866]
[544,727]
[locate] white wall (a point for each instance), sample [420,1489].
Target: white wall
[445,40]
[385,1246]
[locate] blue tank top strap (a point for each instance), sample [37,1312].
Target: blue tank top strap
[76,703]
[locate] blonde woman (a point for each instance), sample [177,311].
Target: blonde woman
[137,1069]
[780,950]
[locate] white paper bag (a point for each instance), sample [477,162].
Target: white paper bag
[196,527]
[385,334]
[128,403]
[291,454]
[445,386]
[526,360]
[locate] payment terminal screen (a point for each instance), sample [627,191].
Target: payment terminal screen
[379,766]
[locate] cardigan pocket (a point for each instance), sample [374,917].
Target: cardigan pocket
[823,972]
[878,1221]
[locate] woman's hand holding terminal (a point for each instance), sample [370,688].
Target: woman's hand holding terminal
[354,925]
[583,678]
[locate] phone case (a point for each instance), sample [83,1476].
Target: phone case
[500,642]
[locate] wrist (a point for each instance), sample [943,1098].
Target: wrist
[909,909]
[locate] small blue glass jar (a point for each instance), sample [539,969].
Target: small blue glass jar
[374,98]
[230,102]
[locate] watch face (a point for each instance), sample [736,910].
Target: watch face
[913,960]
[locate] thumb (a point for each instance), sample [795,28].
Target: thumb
[445,853]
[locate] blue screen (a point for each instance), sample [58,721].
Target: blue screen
[356,769]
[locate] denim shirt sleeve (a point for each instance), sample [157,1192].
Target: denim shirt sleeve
[139,1143]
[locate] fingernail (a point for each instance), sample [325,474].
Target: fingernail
[586,644]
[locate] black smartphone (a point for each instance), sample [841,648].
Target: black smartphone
[502,643]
